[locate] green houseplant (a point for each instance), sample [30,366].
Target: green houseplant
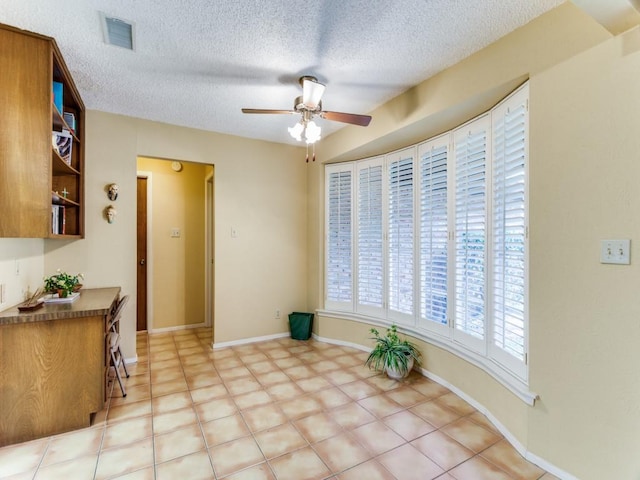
[391,354]
[62,283]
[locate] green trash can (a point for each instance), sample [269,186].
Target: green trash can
[300,324]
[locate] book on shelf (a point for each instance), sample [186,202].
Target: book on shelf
[62,143]
[57,89]
[58,219]
[70,120]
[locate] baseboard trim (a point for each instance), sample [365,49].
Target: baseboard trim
[244,341]
[176,328]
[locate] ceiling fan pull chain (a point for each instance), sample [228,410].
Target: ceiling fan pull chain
[307,160]
[314,152]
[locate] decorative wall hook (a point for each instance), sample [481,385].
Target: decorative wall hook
[112,192]
[110,212]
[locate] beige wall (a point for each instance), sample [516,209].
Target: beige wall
[260,190]
[176,264]
[584,181]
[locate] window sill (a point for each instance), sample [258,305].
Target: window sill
[502,376]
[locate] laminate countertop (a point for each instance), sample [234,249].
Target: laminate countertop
[91,302]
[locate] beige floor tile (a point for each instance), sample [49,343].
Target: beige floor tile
[264,417]
[362,372]
[280,440]
[227,362]
[380,405]
[453,402]
[246,349]
[483,421]
[325,366]
[122,460]
[341,452]
[331,397]
[300,407]
[384,383]
[253,399]
[196,359]
[370,470]
[347,360]
[408,425]
[159,356]
[407,463]
[137,380]
[73,445]
[435,414]
[203,380]
[166,422]
[196,466]
[222,353]
[442,449]
[257,472]
[470,435]
[303,464]
[253,358]
[125,412]
[147,473]
[377,438]
[215,409]
[21,458]
[284,391]
[311,357]
[317,427]
[429,388]
[478,469]
[242,385]
[124,433]
[313,384]
[206,394]
[351,416]
[234,373]
[170,402]
[278,353]
[406,396]
[165,364]
[340,377]
[79,467]
[178,443]
[191,370]
[507,458]
[288,362]
[166,374]
[271,378]
[263,367]
[300,372]
[360,389]
[224,430]
[233,456]
[164,388]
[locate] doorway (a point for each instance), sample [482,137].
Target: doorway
[177,259]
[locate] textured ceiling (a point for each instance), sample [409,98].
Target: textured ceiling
[198,62]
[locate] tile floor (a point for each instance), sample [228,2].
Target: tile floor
[281,409]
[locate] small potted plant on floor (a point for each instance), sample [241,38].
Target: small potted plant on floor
[392,355]
[62,283]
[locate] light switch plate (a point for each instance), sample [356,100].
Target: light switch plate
[615,251]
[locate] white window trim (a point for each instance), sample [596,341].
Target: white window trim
[479,352]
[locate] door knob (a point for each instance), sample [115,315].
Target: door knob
[142,262]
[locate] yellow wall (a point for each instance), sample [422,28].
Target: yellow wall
[584,181]
[176,264]
[260,190]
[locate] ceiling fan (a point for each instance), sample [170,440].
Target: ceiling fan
[308,106]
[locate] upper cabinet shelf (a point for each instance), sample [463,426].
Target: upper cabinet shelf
[42,148]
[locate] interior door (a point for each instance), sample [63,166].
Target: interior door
[142,255]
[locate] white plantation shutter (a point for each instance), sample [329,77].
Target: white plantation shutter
[401,245]
[370,236]
[339,257]
[470,143]
[509,261]
[434,230]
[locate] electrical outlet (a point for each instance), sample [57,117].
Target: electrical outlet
[278,313]
[175,232]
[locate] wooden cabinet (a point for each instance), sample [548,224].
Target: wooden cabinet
[31,170]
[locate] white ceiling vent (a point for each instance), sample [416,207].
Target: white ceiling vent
[118,32]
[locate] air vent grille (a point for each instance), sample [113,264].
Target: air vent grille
[118,32]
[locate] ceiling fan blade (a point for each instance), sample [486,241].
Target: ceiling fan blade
[311,93]
[352,118]
[260,110]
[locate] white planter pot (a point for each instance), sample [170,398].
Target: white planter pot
[396,375]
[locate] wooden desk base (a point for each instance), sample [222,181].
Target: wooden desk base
[51,376]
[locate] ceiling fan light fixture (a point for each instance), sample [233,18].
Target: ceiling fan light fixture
[296,131]
[311,92]
[312,132]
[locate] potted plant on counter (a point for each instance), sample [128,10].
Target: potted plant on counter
[62,283]
[392,355]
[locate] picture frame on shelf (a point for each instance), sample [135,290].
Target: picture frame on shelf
[63,144]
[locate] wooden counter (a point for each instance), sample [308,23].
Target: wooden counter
[53,366]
